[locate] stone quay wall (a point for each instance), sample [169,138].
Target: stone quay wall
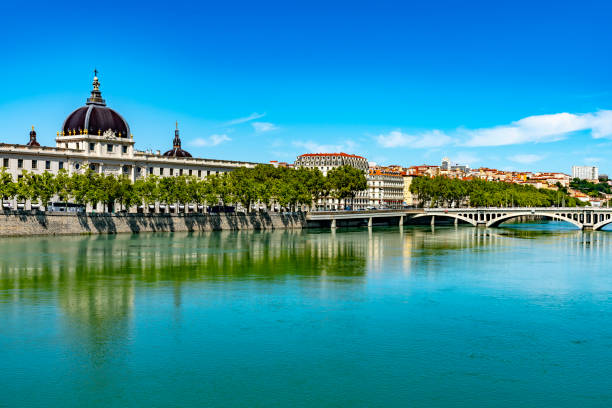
[53,223]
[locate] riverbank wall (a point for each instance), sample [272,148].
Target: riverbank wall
[51,223]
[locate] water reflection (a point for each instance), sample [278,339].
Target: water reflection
[91,273]
[107,298]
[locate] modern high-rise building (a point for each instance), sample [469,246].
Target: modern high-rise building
[585,172]
[446,164]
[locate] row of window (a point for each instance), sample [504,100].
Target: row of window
[33,164]
[92,146]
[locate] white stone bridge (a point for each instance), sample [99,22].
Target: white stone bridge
[586,218]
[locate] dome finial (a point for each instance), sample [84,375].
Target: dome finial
[96,95]
[177,140]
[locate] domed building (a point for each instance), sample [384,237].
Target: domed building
[97,138]
[96,118]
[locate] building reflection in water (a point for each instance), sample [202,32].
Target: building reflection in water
[96,280]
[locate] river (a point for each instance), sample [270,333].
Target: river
[385,317]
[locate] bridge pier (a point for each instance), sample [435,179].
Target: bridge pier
[370,222]
[333,223]
[433,220]
[401,221]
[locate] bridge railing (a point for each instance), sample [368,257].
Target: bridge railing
[469,209]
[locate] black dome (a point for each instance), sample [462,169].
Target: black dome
[97,120]
[96,117]
[177,153]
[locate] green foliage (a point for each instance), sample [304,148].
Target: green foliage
[288,188]
[8,189]
[591,189]
[442,191]
[345,181]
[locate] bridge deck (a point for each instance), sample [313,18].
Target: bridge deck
[582,217]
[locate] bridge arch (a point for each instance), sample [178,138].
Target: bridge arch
[599,225]
[448,215]
[495,222]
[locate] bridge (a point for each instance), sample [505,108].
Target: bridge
[585,218]
[355,217]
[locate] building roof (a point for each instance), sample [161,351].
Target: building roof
[331,154]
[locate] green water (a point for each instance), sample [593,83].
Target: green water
[512,317]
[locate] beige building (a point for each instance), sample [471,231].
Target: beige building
[96,137]
[408,197]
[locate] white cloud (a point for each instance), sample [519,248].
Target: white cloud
[314,147]
[532,129]
[245,119]
[212,140]
[542,128]
[396,138]
[261,127]
[526,158]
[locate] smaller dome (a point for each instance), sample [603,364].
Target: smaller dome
[33,142]
[176,150]
[177,153]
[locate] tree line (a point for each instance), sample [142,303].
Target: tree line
[287,188]
[443,191]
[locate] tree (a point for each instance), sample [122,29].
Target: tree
[345,181]
[125,192]
[243,186]
[24,187]
[63,183]
[7,186]
[45,187]
[146,190]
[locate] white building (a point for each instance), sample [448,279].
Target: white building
[328,161]
[585,172]
[98,138]
[385,188]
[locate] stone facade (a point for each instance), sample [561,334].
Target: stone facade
[52,223]
[385,187]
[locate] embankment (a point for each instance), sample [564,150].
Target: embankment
[50,223]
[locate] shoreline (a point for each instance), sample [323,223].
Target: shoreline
[14,224]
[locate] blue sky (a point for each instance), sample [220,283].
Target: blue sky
[506,84]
